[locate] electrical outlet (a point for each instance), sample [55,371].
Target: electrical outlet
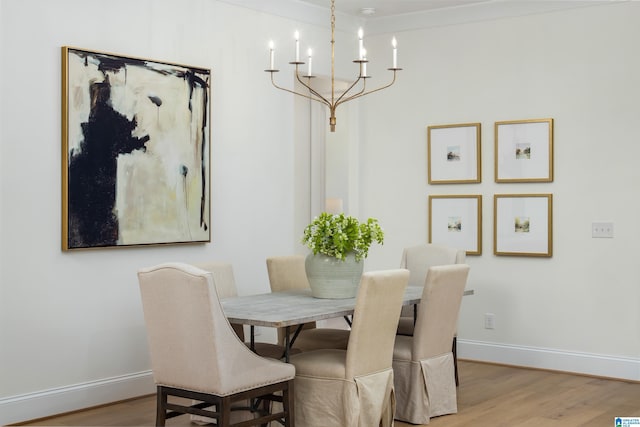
[489,321]
[602,229]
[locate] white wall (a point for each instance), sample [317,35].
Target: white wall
[71,327]
[71,330]
[578,310]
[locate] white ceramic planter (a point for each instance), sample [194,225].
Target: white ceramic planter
[330,277]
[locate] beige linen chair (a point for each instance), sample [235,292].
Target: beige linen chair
[196,355]
[354,387]
[418,259]
[287,273]
[225,284]
[423,363]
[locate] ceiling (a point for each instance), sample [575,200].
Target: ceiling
[392,16]
[384,8]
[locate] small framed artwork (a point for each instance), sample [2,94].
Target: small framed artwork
[135,151]
[453,154]
[524,151]
[456,221]
[522,224]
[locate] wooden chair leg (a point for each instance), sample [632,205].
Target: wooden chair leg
[454,349]
[267,407]
[288,406]
[225,412]
[161,407]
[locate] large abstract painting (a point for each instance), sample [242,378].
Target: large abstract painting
[135,157]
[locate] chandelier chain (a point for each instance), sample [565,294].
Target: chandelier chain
[333,45]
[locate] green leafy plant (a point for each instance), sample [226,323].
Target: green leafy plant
[338,234]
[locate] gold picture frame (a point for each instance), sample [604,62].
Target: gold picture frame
[453,154]
[524,150]
[523,225]
[135,151]
[456,221]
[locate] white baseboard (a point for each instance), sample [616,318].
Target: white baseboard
[543,358]
[41,404]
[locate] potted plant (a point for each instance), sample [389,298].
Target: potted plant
[339,244]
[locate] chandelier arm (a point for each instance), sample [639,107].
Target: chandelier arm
[339,100]
[362,93]
[320,98]
[313,98]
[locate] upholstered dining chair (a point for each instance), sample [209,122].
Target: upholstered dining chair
[287,273]
[423,363]
[195,353]
[225,284]
[418,259]
[354,387]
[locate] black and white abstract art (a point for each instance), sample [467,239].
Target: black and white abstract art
[136,147]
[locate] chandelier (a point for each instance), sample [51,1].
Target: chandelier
[355,90]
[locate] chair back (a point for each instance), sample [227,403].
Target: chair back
[223,279]
[438,312]
[225,284]
[375,319]
[287,273]
[418,259]
[191,343]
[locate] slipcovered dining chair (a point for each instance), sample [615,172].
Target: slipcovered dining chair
[423,363]
[418,259]
[195,353]
[287,273]
[354,387]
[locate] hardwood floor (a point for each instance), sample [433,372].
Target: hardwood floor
[489,395]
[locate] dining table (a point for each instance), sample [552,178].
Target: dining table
[289,309]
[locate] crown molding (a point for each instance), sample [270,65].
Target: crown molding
[498,9]
[302,12]
[455,15]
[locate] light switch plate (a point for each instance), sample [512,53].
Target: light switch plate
[602,229]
